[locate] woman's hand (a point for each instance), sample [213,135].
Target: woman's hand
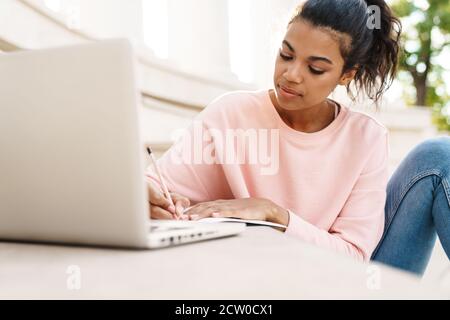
[248,208]
[160,207]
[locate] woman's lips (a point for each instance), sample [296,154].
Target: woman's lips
[288,93]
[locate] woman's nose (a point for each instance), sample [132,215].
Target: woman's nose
[294,74]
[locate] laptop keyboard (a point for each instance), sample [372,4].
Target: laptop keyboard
[169,227]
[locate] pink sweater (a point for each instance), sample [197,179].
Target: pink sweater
[333,182]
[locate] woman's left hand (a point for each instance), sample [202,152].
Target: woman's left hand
[248,208]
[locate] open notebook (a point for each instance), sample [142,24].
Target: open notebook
[248,222]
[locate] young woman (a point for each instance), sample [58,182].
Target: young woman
[326,178]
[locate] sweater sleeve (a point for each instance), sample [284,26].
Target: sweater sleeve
[359,226]
[190,167]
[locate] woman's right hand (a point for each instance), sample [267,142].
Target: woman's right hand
[160,207]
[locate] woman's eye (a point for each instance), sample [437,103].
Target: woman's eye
[285,57]
[315,71]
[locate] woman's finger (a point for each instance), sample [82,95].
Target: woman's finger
[179,208]
[198,208]
[179,198]
[159,213]
[226,214]
[156,196]
[181,203]
[205,213]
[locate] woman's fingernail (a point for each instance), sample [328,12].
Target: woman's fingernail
[216,214]
[194,216]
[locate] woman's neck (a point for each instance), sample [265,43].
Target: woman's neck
[308,120]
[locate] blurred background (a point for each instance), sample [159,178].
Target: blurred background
[191,51]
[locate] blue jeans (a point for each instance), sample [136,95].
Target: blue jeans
[417,208]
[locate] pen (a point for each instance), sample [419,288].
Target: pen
[163,185]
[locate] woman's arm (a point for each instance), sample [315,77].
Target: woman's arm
[190,167]
[359,226]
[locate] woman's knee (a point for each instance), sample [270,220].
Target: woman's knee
[434,152]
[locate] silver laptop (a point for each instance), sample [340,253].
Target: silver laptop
[71,157]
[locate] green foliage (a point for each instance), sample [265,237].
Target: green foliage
[426,33]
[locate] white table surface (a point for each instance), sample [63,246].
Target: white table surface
[261,263]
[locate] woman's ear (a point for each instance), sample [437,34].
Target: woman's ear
[348,77]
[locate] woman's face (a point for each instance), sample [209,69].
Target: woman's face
[308,67]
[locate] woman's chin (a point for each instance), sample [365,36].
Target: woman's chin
[286,104]
[290,105]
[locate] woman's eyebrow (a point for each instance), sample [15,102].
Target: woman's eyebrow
[312,58]
[288,45]
[320,59]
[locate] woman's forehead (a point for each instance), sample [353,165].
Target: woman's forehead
[315,41]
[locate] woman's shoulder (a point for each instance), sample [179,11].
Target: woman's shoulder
[239,103]
[365,125]
[239,98]
[367,138]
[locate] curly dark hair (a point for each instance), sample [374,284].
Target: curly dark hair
[372,51]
